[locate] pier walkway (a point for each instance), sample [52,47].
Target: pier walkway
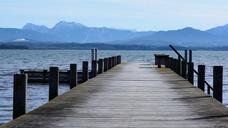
[130,95]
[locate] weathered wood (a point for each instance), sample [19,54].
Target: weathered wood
[159,63]
[147,98]
[95,54]
[175,65]
[100,66]
[94,68]
[218,83]
[44,75]
[19,95]
[184,70]
[22,71]
[85,75]
[118,59]
[109,63]
[53,82]
[179,65]
[167,62]
[186,55]
[172,63]
[208,90]
[201,77]
[190,56]
[92,54]
[73,75]
[113,61]
[106,65]
[191,72]
[160,58]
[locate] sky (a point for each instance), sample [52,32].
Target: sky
[141,15]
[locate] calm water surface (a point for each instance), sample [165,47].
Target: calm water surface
[11,61]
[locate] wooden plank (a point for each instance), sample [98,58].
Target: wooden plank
[131,95]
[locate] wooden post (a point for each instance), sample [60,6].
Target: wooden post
[183,70]
[94,68]
[159,63]
[171,63]
[53,82]
[113,63]
[178,65]
[22,71]
[115,60]
[92,54]
[201,77]
[186,56]
[175,65]
[191,72]
[44,75]
[120,61]
[19,95]
[85,76]
[100,66]
[190,56]
[73,75]
[208,90]
[105,64]
[109,63]
[167,62]
[95,57]
[218,83]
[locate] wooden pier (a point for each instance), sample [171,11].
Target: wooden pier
[130,95]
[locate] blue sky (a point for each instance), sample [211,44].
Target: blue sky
[126,14]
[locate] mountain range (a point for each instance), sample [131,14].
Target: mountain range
[75,32]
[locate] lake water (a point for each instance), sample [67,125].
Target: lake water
[11,61]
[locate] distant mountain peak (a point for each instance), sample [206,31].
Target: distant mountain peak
[68,25]
[37,28]
[219,30]
[189,29]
